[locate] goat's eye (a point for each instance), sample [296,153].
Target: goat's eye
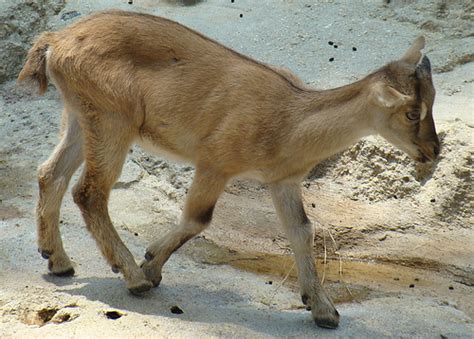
[413,115]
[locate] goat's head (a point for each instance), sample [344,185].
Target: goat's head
[402,96]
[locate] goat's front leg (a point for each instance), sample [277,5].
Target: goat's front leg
[206,188]
[287,200]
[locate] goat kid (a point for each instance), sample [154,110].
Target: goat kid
[130,78]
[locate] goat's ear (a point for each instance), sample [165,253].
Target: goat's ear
[386,96]
[413,55]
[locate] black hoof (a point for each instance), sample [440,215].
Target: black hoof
[45,254]
[304,299]
[115,269]
[328,322]
[148,256]
[156,283]
[64,274]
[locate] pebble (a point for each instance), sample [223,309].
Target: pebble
[69,15]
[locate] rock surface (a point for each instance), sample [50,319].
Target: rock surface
[20,22]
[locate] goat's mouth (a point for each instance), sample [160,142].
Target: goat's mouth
[422,158]
[425,153]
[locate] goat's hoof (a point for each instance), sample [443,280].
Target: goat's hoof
[115,269]
[45,254]
[65,274]
[305,300]
[156,282]
[151,272]
[149,256]
[141,288]
[60,266]
[330,320]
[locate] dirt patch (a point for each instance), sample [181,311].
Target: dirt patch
[10,212]
[345,279]
[277,267]
[48,316]
[14,181]
[40,317]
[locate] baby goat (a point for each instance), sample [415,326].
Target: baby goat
[130,78]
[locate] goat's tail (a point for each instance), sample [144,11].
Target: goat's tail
[34,70]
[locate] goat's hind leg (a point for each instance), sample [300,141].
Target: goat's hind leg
[53,179]
[106,144]
[289,206]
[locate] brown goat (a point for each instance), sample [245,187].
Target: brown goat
[135,78]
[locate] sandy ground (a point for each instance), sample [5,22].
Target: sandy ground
[402,233]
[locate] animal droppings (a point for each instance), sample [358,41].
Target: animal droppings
[354,49]
[335,46]
[412,285]
[113,315]
[241,15]
[330,43]
[176,310]
[331,59]
[451,287]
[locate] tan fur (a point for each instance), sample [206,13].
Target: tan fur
[135,78]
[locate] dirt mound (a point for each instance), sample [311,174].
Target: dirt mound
[375,171]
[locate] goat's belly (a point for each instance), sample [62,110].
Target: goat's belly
[154,148]
[252,175]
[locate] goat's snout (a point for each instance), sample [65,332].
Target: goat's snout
[429,151]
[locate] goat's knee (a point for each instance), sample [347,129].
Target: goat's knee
[88,197]
[80,196]
[43,178]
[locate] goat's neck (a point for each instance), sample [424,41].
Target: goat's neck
[332,120]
